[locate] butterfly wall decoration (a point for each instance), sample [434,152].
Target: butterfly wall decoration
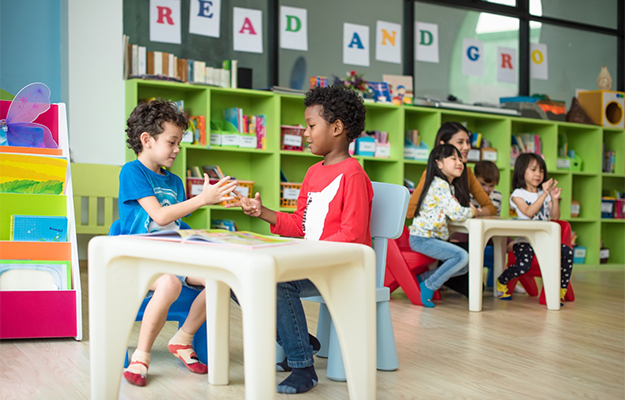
[18,129]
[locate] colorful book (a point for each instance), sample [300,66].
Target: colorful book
[38,228]
[199,124]
[35,275]
[34,174]
[218,237]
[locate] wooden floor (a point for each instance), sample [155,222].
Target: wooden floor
[511,350]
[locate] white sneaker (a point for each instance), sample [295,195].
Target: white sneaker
[519,289]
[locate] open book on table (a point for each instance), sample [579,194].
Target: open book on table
[218,237]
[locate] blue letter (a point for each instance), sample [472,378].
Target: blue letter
[356,41]
[204,6]
[472,53]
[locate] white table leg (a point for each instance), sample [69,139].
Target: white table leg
[218,331]
[353,314]
[476,264]
[499,258]
[547,246]
[258,305]
[110,319]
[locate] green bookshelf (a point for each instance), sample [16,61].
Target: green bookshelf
[263,166]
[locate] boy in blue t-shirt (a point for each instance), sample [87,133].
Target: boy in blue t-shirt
[150,199]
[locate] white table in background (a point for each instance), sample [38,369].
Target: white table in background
[543,236]
[121,269]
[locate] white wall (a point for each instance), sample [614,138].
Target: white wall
[95,88]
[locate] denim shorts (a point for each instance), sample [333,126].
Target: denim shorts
[183,279]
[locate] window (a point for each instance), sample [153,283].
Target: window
[445,78]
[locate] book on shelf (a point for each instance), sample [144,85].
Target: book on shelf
[142,61]
[35,275]
[231,66]
[213,171]
[38,228]
[199,127]
[221,237]
[158,63]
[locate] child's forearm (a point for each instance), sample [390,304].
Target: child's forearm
[168,214]
[555,209]
[533,208]
[268,215]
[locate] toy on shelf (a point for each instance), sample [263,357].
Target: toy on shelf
[18,129]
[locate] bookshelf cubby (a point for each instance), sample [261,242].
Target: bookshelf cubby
[263,166]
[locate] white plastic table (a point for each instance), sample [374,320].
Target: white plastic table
[544,237]
[121,269]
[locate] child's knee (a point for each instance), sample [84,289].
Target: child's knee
[169,284]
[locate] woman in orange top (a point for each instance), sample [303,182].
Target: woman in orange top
[456,134]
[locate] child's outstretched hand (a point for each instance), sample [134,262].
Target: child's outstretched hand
[251,207]
[555,193]
[475,211]
[213,194]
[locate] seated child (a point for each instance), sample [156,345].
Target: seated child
[487,174]
[334,204]
[152,198]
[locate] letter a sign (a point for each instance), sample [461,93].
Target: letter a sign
[165,21]
[248,30]
[293,28]
[356,44]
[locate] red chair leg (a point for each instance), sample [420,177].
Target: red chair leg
[389,281]
[570,294]
[397,266]
[529,284]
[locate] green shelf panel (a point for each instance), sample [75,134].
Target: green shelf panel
[295,166]
[292,110]
[588,235]
[612,236]
[387,118]
[614,139]
[565,183]
[585,140]
[390,172]
[493,128]
[425,121]
[586,190]
[548,133]
[245,166]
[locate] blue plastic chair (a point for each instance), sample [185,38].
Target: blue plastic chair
[178,311]
[388,215]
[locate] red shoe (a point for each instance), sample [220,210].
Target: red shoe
[193,363]
[133,378]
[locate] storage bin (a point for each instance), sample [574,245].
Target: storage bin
[607,207]
[579,255]
[292,137]
[619,208]
[365,146]
[289,192]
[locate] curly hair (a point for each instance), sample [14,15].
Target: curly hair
[338,102]
[149,117]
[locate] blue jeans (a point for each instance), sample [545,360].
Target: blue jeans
[456,259]
[292,327]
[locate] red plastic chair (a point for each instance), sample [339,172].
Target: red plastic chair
[528,280]
[402,267]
